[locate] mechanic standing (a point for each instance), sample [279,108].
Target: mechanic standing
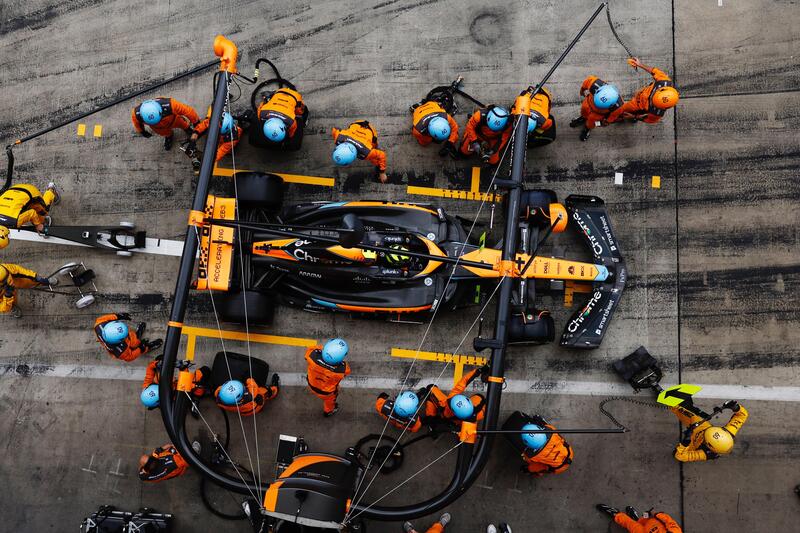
[437,527]
[119,340]
[229,135]
[326,369]
[544,453]
[652,101]
[601,99]
[13,277]
[488,130]
[649,522]
[164,115]
[248,398]
[430,122]
[23,204]
[163,463]
[701,440]
[282,117]
[359,141]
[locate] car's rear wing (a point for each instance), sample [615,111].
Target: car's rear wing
[588,325]
[216,246]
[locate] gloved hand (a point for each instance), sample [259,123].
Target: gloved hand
[485,373]
[733,405]
[712,455]
[475,147]
[383,396]
[146,134]
[41,279]
[9,291]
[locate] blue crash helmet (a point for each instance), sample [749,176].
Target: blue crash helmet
[227,124]
[275,130]
[534,441]
[149,396]
[405,405]
[334,351]
[497,118]
[606,96]
[344,154]
[439,129]
[231,392]
[115,332]
[461,406]
[150,111]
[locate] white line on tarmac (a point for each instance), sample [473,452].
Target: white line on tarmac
[293,379]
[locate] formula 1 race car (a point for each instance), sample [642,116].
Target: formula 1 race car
[397,260]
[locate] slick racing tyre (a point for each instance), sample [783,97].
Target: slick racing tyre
[260,308]
[259,190]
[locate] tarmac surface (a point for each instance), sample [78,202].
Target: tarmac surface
[712,252]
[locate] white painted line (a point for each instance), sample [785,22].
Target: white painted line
[152,246]
[719,3]
[293,379]
[618,178]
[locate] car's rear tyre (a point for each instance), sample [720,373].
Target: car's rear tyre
[260,308]
[259,190]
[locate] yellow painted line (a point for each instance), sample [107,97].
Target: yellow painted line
[98,130]
[656,182]
[81,130]
[244,337]
[288,178]
[450,193]
[476,179]
[456,359]
[190,342]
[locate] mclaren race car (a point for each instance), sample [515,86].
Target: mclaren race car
[398,260]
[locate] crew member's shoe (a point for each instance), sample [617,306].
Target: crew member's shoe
[335,410]
[585,134]
[603,508]
[196,166]
[140,329]
[15,312]
[168,143]
[52,187]
[408,527]
[576,122]
[154,344]
[445,519]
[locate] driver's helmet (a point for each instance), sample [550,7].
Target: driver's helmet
[398,259]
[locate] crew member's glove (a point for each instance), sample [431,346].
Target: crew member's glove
[146,134]
[733,405]
[259,400]
[383,396]
[539,420]
[485,372]
[475,147]
[9,291]
[712,455]
[41,279]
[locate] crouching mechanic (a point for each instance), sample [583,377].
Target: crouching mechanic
[601,100]
[163,463]
[119,340]
[229,135]
[164,115]
[359,141]
[541,122]
[430,122]
[701,440]
[21,205]
[649,522]
[402,411]
[455,406]
[282,117]
[326,369]
[486,134]
[149,395]
[248,398]
[13,277]
[651,102]
[545,453]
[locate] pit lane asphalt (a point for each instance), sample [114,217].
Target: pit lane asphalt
[712,253]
